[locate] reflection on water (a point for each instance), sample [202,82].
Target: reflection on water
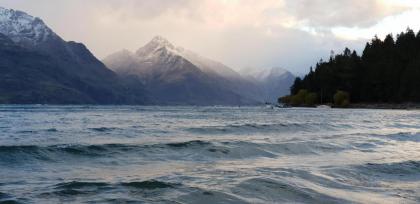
[124,154]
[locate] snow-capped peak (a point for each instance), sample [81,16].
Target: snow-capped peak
[23,28]
[160,48]
[155,47]
[162,42]
[263,74]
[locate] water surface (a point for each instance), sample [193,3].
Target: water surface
[135,154]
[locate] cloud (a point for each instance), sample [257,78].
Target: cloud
[355,13]
[289,13]
[213,14]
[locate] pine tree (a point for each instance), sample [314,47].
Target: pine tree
[387,71]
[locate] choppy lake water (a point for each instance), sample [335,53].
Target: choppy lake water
[127,154]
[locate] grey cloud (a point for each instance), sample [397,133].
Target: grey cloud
[291,48]
[318,13]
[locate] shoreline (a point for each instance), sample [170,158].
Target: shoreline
[391,106]
[379,106]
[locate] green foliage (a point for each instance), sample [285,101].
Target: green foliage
[387,71]
[342,99]
[299,98]
[311,99]
[302,98]
[285,99]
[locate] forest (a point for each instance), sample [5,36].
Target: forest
[388,71]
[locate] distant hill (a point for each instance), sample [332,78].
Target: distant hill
[388,71]
[273,82]
[37,66]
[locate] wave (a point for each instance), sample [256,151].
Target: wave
[27,131]
[269,190]
[116,200]
[199,195]
[12,155]
[7,199]
[52,130]
[149,185]
[288,148]
[9,202]
[195,150]
[4,195]
[245,128]
[79,185]
[263,128]
[148,191]
[81,150]
[103,129]
[399,168]
[403,136]
[376,174]
[79,188]
[189,144]
[95,150]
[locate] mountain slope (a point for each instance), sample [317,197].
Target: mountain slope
[274,82]
[26,81]
[174,79]
[37,66]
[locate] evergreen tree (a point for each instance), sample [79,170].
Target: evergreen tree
[387,71]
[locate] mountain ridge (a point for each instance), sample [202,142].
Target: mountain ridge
[38,66]
[162,67]
[23,28]
[144,63]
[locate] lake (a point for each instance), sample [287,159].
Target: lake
[141,154]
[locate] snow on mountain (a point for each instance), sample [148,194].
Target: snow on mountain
[157,57]
[208,65]
[160,47]
[262,74]
[37,66]
[157,47]
[23,28]
[160,59]
[177,76]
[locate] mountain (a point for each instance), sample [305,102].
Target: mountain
[38,66]
[177,76]
[273,82]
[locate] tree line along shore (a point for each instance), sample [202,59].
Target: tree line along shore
[385,75]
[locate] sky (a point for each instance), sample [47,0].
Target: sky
[293,34]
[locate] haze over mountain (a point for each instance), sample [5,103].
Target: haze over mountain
[38,66]
[273,82]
